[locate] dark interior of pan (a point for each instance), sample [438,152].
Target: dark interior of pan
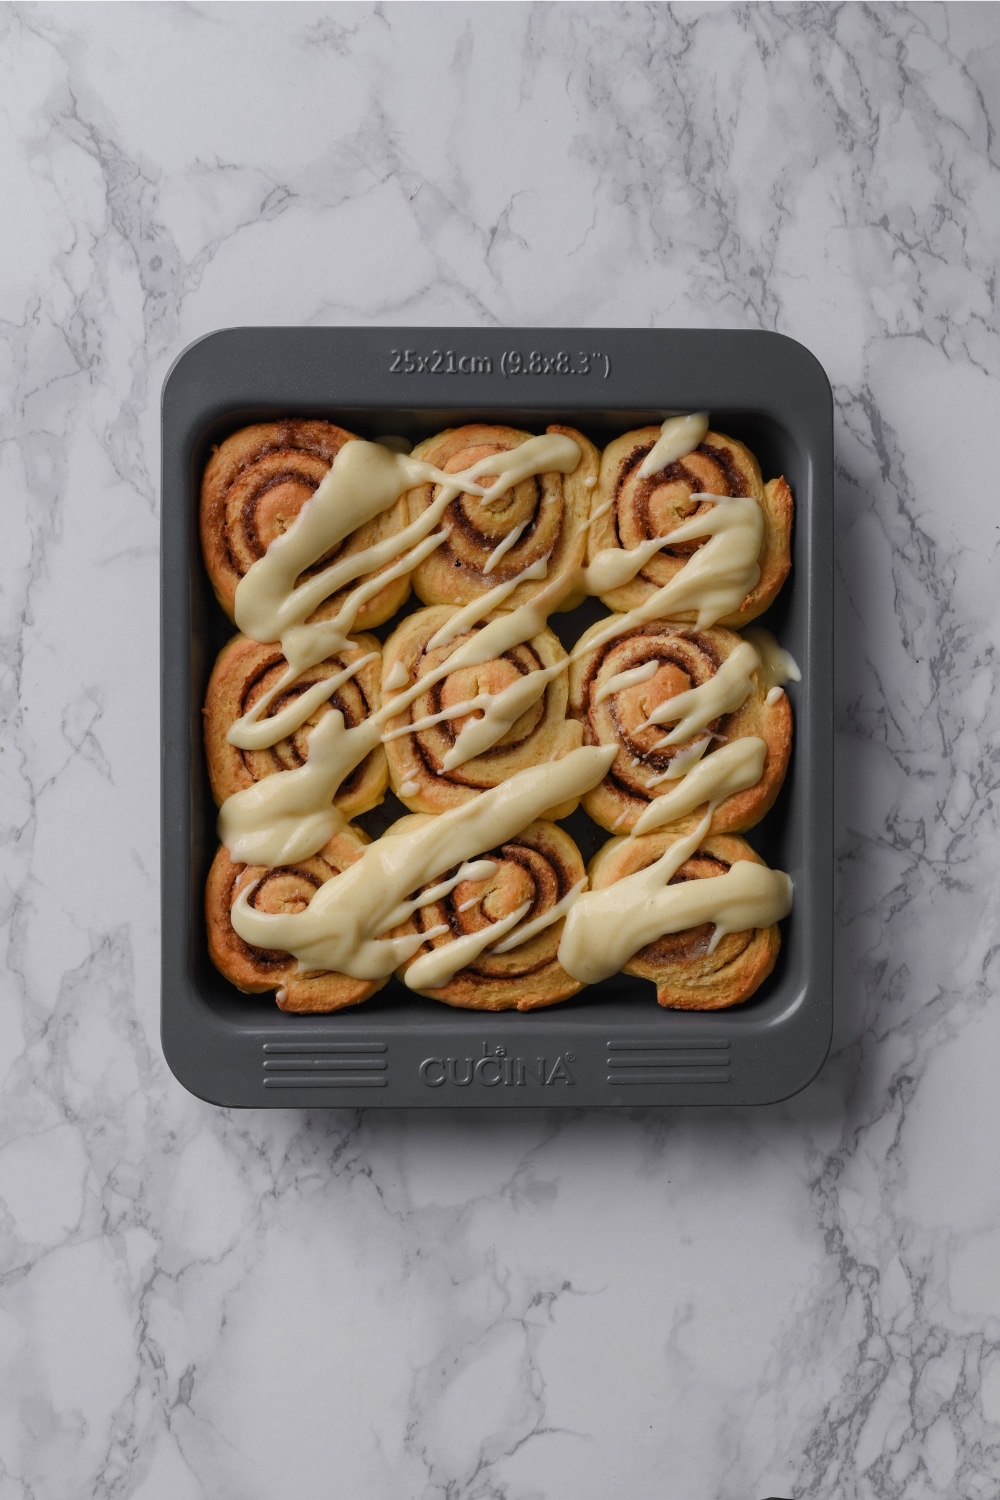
[611,1045]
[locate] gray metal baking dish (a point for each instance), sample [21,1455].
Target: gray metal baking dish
[612,1045]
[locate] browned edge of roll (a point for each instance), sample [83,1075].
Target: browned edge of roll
[244,670]
[686,657]
[642,508]
[540,866]
[686,975]
[553,508]
[416,760]
[285,890]
[255,485]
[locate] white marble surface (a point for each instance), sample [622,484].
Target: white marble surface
[699,1306]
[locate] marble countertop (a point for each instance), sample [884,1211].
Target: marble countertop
[722,1305]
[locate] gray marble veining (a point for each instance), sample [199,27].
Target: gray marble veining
[709,1306]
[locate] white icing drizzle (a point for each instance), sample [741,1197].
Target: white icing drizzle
[601,510]
[552,453]
[539,924]
[501,712]
[777,666]
[427,721]
[614,566]
[470,614]
[338,930]
[476,870]
[252,733]
[679,436]
[290,815]
[434,969]
[683,759]
[510,540]
[397,678]
[724,693]
[629,678]
[364,480]
[409,788]
[305,645]
[733,768]
[713,582]
[606,927]
[498,712]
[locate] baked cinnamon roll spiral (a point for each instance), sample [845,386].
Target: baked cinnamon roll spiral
[419,761]
[536,871]
[643,508]
[254,486]
[542,517]
[687,975]
[616,688]
[245,672]
[287,889]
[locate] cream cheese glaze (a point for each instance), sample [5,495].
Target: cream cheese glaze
[340,928]
[290,815]
[606,928]
[722,694]
[252,733]
[629,678]
[777,666]
[732,768]
[679,436]
[713,582]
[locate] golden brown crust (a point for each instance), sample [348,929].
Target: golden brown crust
[552,507]
[289,889]
[244,671]
[416,760]
[687,976]
[644,508]
[254,486]
[686,657]
[541,866]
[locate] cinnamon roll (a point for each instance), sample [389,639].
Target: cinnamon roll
[621,692]
[287,889]
[629,509]
[687,972]
[254,486]
[535,875]
[543,517]
[247,672]
[426,745]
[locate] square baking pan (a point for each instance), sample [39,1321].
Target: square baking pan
[612,1044]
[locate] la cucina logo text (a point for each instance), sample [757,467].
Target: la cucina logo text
[494,1069]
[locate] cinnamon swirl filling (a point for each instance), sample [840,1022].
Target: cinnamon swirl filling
[423,741]
[621,693]
[247,674]
[280,891]
[533,879]
[690,969]
[491,542]
[255,486]
[630,509]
